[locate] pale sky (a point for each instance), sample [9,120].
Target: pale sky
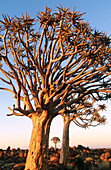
[16,131]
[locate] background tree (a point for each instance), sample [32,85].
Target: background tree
[50,67]
[55,141]
[84,114]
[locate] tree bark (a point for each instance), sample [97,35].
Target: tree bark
[38,148]
[55,146]
[64,156]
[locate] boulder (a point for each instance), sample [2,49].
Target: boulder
[52,149]
[107,155]
[25,153]
[54,158]
[79,163]
[89,159]
[21,154]
[8,149]
[12,153]
[19,166]
[1,154]
[109,159]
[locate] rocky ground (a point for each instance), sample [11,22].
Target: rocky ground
[81,158]
[10,158]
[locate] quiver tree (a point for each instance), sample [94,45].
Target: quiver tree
[84,115]
[48,64]
[55,141]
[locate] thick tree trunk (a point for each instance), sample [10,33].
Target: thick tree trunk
[64,156]
[38,148]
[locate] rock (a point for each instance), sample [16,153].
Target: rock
[109,159]
[57,167]
[21,154]
[4,151]
[19,166]
[69,166]
[107,155]
[1,154]
[102,157]
[74,148]
[18,149]
[52,167]
[105,160]
[7,166]
[8,149]
[81,147]
[79,163]
[54,159]
[96,156]
[72,152]
[25,154]
[12,153]
[51,149]
[89,159]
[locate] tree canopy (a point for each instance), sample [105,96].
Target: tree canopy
[62,62]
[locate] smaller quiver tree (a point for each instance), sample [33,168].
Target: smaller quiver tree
[55,141]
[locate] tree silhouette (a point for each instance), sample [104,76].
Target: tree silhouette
[55,141]
[50,63]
